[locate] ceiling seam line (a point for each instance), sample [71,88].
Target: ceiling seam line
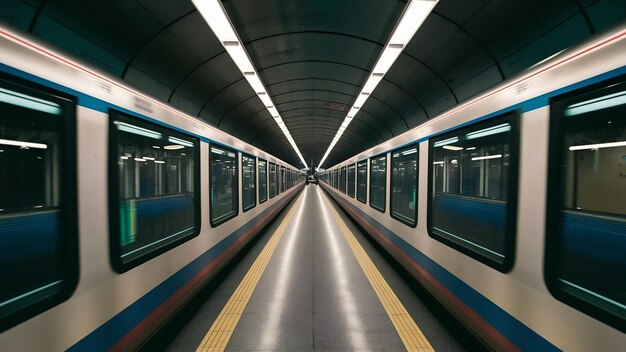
[147,42]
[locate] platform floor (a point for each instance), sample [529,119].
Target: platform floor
[311,293]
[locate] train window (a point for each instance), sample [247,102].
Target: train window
[223,185]
[378,182]
[351,180]
[403,197]
[262,181]
[361,181]
[155,174]
[38,244]
[342,180]
[283,179]
[248,182]
[272,180]
[586,227]
[473,190]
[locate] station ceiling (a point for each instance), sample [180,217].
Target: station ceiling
[313,57]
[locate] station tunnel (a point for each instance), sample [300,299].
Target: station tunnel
[299,175]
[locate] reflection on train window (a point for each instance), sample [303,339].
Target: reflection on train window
[342,180]
[223,184]
[378,182]
[404,185]
[156,203]
[588,233]
[283,179]
[361,181]
[272,178]
[351,175]
[248,181]
[38,265]
[471,209]
[262,181]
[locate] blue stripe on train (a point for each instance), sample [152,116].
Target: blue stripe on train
[514,330]
[105,336]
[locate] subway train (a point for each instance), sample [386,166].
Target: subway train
[510,208]
[114,208]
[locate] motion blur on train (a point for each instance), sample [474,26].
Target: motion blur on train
[511,208]
[114,208]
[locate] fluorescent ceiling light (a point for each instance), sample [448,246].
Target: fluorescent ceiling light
[452,147]
[389,56]
[173,147]
[371,83]
[410,151]
[505,127]
[470,148]
[140,159]
[487,157]
[352,112]
[26,101]
[126,127]
[159,162]
[437,162]
[214,14]
[446,142]
[217,151]
[412,18]
[22,144]
[598,146]
[360,100]
[605,102]
[147,158]
[180,141]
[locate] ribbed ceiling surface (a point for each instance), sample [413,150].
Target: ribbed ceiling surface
[313,57]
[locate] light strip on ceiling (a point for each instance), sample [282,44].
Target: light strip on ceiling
[412,18]
[214,14]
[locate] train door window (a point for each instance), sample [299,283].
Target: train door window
[248,182]
[361,181]
[283,179]
[155,173]
[351,180]
[38,244]
[403,197]
[473,191]
[378,182]
[586,229]
[272,180]
[223,186]
[262,181]
[342,180]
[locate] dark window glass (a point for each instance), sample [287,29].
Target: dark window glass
[283,180]
[586,253]
[361,191]
[378,182]
[404,185]
[38,258]
[351,180]
[342,180]
[262,181]
[471,209]
[248,181]
[223,184]
[272,178]
[155,171]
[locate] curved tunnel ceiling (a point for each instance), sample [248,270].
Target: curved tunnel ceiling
[313,57]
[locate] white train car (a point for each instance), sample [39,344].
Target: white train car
[511,207]
[114,208]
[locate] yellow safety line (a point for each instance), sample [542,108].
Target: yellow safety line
[222,329]
[411,335]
